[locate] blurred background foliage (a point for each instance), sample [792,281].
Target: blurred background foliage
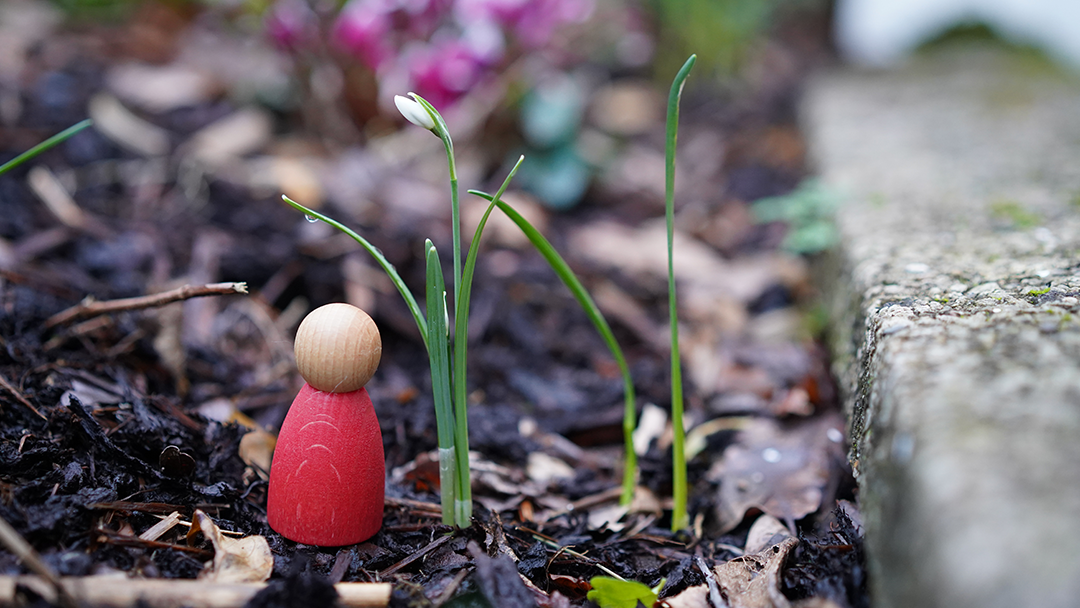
[529,68]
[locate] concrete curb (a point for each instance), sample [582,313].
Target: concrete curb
[956,308]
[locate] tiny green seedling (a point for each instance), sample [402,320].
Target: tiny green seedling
[679,519]
[610,592]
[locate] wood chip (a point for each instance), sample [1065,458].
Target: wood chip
[122,126]
[155,531]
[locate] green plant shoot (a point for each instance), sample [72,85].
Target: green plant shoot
[563,271]
[679,518]
[387,267]
[438,356]
[45,145]
[463,505]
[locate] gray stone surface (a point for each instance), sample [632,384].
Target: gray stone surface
[956,297]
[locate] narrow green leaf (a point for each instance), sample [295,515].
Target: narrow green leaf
[461,341]
[679,518]
[45,145]
[563,271]
[387,267]
[439,356]
[610,592]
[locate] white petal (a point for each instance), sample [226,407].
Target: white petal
[414,112]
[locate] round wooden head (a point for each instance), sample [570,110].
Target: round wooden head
[338,348]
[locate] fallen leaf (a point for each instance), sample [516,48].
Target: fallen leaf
[233,136]
[122,126]
[626,108]
[242,560]
[764,533]
[544,468]
[160,89]
[691,597]
[753,581]
[750,581]
[782,471]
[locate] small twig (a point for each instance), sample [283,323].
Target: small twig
[561,549]
[7,386]
[15,543]
[415,556]
[112,537]
[90,308]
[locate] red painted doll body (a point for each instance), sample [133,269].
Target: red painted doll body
[327,480]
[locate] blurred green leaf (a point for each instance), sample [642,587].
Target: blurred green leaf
[808,210]
[610,592]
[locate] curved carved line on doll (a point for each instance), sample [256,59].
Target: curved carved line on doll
[319,445]
[331,465]
[329,424]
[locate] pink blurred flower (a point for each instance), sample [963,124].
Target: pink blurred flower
[531,22]
[291,24]
[362,29]
[444,71]
[419,18]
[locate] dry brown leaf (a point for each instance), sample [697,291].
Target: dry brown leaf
[627,108]
[543,469]
[123,127]
[707,276]
[240,133]
[753,581]
[691,597]
[159,88]
[242,560]
[750,581]
[766,532]
[782,471]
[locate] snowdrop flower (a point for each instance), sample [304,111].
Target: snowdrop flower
[414,112]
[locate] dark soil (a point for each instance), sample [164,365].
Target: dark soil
[125,431]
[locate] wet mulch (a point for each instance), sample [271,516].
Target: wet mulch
[109,423]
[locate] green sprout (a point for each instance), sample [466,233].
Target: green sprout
[45,145]
[679,518]
[608,592]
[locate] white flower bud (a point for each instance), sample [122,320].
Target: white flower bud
[414,112]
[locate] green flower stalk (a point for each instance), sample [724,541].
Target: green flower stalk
[679,519]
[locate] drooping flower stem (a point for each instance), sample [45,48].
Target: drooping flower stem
[463,506]
[679,518]
[463,486]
